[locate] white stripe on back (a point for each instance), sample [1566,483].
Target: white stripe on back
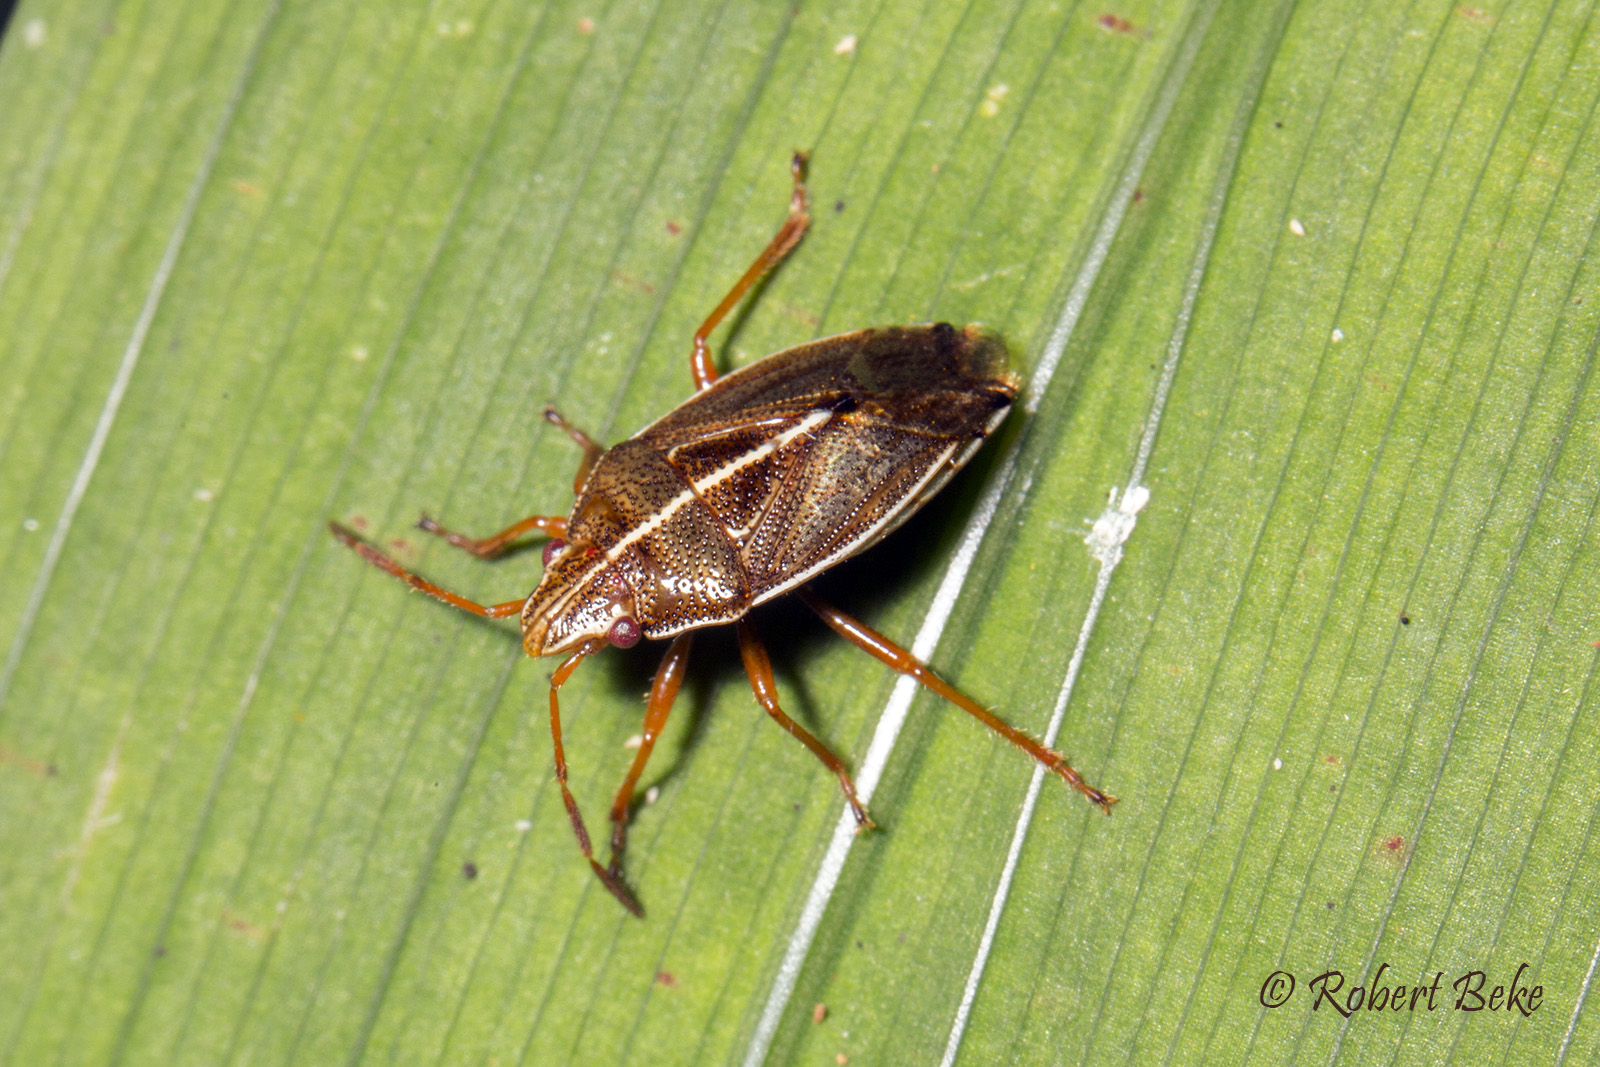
[813,420]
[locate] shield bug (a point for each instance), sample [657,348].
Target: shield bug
[758,482]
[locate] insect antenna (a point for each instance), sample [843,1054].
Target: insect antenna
[610,878]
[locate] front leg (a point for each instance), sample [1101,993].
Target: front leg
[663,691]
[551,526]
[348,537]
[591,451]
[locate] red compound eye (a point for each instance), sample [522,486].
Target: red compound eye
[552,549]
[624,633]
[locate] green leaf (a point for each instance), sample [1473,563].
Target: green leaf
[263,264]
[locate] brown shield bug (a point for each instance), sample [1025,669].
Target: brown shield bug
[760,481]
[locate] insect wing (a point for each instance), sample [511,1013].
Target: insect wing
[815,453]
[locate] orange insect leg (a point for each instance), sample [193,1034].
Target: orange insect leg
[552,526]
[419,583]
[490,547]
[885,650]
[782,243]
[663,691]
[759,668]
[591,451]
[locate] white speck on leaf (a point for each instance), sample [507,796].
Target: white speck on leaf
[991,100]
[1115,525]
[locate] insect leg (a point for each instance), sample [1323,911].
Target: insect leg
[419,583]
[663,691]
[759,668]
[554,526]
[591,451]
[490,547]
[881,648]
[610,879]
[788,235]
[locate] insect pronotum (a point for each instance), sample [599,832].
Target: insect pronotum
[757,483]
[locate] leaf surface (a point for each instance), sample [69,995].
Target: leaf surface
[265,264]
